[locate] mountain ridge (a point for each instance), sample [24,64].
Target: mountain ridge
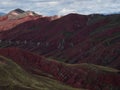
[1,13]
[82,51]
[66,33]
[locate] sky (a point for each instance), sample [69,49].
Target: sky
[62,7]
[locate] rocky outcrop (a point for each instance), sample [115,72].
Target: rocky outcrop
[18,13]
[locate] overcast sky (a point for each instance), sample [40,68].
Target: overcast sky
[62,7]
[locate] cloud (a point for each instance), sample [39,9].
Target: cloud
[47,4]
[62,7]
[6,3]
[65,11]
[53,3]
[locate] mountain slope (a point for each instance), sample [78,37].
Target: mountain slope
[16,17]
[72,38]
[13,77]
[86,76]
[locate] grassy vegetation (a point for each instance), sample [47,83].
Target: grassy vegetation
[89,66]
[95,67]
[13,77]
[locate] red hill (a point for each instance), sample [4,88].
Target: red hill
[86,76]
[72,38]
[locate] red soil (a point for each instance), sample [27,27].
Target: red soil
[74,75]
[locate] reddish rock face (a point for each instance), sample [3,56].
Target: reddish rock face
[72,38]
[85,76]
[16,17]
[7,24]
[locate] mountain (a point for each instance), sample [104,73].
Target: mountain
[16,17]
[1,14]
[81,51]
[19,13]
[18,10]
[72,38]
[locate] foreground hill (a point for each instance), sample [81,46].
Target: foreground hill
[13,77]
[72,38]
[88,76]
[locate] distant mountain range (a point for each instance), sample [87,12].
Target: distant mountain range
[82,51]
[1,14]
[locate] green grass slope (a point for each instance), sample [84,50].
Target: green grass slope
[95,67]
